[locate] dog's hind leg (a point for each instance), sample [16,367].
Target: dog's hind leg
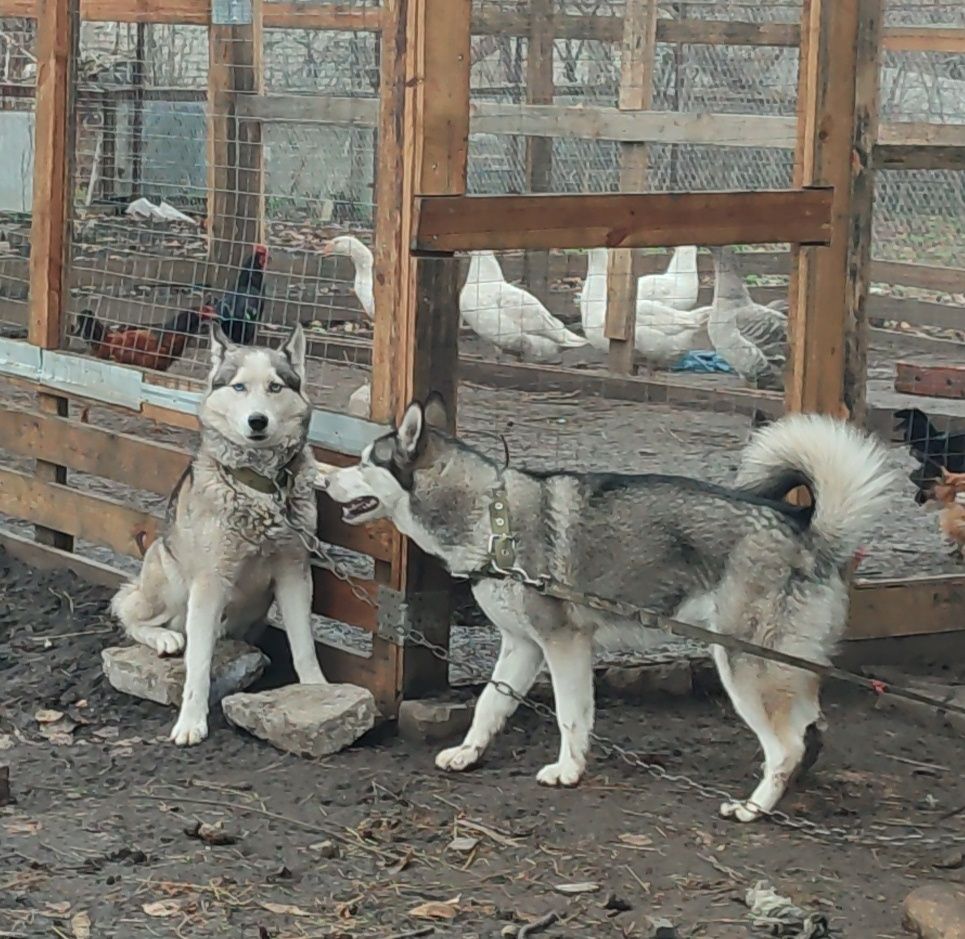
[293,591]
[779,704]
[142,610]
[570,661]
[518,664]
[206,601]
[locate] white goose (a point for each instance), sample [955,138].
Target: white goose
[349,246]
[752,338]
[511,318]
[662,334]
[678,286]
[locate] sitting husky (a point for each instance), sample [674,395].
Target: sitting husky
[227,551]
[738,560]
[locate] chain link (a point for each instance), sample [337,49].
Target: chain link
[610,748]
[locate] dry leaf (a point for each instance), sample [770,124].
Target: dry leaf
[210,834]
[436,909]
[80,925]
[162,908]
[106,733]
[462,844]
[284,909]
[635,841]
[60,908]
[22,826]
[48,716]
[6,742]
[585,886]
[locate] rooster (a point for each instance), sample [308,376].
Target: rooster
[933,450]
[154,346]
[240,309]
[949,493]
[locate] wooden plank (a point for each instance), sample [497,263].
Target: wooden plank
[236,196]
[925,39]
[538,157]
[947,279]
[124,458]
[57,37]
[278,15]
[615,220]
[918,312]
[866,103]
[46,558]
[335,599]
[934,381]
[915,157]
[636,95]
[50,471]
[907,607]
[820,318]
[424,61]
[81,514]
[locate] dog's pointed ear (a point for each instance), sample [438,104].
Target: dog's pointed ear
[220,344]
[436,412]
[410,429]
[294,350]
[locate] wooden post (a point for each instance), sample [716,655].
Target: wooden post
[827,321]
[540,87]
[636,94]
[57,36]
[423,143]
[236,191]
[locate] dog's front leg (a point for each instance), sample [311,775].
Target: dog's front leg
[570,661]
[206,601]
[293,591]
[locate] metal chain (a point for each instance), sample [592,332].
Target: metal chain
[610,748]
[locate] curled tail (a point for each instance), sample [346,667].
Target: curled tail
[845,469]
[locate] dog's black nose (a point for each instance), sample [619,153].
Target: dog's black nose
[257,422]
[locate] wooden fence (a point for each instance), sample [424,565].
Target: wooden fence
[423,217]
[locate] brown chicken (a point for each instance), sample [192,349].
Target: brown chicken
[949,493]
[154,346]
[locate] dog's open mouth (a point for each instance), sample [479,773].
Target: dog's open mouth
[359,507]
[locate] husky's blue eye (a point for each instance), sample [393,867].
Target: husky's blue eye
[239,388]
[274,387]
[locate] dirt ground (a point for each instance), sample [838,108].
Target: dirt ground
[97,833]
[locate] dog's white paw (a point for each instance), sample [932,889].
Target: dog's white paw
[562,773]
[166,641]
[457,759]
[742,811]
[190,729]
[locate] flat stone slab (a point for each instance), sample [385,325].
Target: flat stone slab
[433,721]
[936,911]
[140,671]
[309,720]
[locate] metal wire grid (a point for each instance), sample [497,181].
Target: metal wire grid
[150,142]
[17,79]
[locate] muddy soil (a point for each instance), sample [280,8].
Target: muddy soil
[96,844]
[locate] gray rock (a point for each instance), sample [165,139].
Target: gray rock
[432,721]
[936,911]
[140,671]
[310,720]
[648,681]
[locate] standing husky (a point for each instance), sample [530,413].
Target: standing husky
[227,551]
[739,560]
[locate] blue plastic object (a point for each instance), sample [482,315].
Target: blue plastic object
[702,362]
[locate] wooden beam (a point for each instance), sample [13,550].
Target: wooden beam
[925,39]
[915,157]
[236,190]
[865,133]
[821,318]
[57,37]
[538,158]
[934,381]
[47,558]
[622,220]
[80,514]
[424,89]
[49,470]
[636,95]
[917,606]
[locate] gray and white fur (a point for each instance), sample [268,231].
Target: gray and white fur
[227,551]
[739,560]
